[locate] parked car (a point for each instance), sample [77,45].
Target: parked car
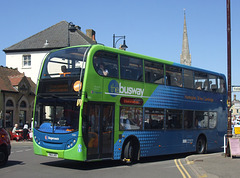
[5,146]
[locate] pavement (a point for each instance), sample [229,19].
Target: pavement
[214,165]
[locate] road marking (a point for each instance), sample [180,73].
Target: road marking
[181,168]
[197,170]
[20,151]
[28,149]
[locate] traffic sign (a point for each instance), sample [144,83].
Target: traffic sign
[236,89]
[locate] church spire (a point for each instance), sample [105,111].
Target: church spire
[185,57]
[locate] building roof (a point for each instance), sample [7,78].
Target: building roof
[10,78]
[54,37]
[15,79]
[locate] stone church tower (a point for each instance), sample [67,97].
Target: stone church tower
[185,57]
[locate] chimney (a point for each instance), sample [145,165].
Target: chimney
[91,34]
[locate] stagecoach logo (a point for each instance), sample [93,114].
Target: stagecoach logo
[51,138]
[115,88]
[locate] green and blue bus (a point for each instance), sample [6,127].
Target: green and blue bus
[95,102]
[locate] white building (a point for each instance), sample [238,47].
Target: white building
[28,54]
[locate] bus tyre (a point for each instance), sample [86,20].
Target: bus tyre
[201,145]
[3,156]
[131,152]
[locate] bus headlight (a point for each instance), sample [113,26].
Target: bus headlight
[71,143]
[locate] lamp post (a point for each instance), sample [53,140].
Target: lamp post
[229,128]
[123,46]
[71,28]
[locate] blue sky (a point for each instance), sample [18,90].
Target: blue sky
[152,27]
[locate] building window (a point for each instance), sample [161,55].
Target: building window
[23,113]
[9,103]
[26,61]
[9,118]
[9,113]
[23,104]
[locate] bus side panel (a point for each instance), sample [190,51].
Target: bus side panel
[157,142]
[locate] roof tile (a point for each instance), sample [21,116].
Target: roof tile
[56,36]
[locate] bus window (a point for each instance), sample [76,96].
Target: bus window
[173,76]
[131,118]
[221,87]
[174,119]
[201,119]
[213,83]
[201,81]
[212,120]
[153,118]
[188,119]
[188,78]
[57,115]
[106,64]
[154,72]
[131,68]
[67,63]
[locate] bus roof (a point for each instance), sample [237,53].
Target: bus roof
[97,47]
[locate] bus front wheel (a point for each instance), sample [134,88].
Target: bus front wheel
[201,146]
[131,152]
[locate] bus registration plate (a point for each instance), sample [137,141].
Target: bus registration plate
[53,155]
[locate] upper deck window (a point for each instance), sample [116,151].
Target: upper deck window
[131,68]
[221,85]
[213,83]
[106,64]
[173,76]
[201,81]
[188,78]
[64,63]
[154,72]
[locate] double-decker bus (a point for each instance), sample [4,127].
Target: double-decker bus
[96,102]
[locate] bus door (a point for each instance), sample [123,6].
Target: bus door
[100,131]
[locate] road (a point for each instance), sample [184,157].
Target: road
[23,163]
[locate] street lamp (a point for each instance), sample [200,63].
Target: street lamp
[71,28]
[123,46]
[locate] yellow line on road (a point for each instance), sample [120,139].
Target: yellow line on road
[181,168]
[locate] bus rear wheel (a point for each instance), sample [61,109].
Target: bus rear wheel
[201,146]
